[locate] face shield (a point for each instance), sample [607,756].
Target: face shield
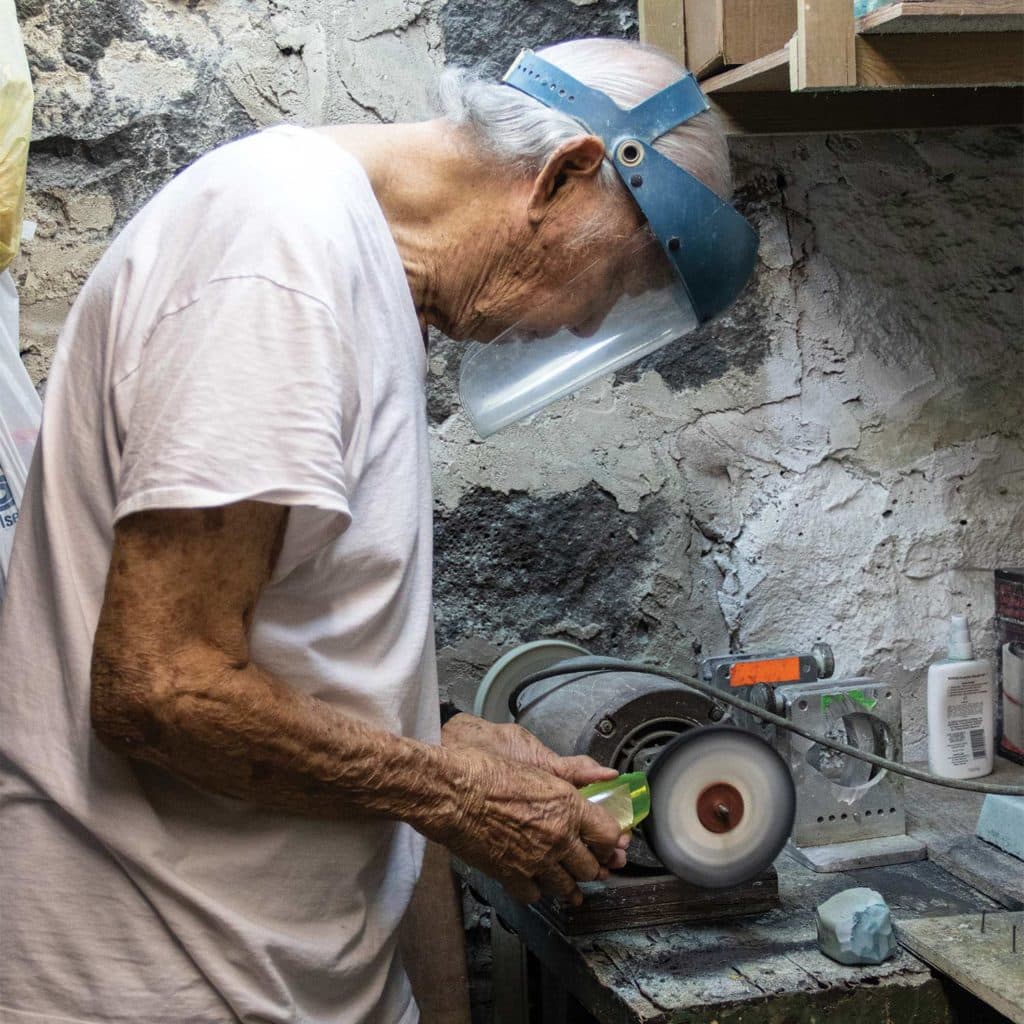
[617,310]
[684,266]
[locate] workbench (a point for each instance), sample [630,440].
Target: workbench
[765,969]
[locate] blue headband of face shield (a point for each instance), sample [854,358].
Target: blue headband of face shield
[709,246]
[707,241]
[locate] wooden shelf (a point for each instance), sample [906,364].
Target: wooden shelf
[942,16]
[902,61]
[802,113]
[914,64]
[766,74]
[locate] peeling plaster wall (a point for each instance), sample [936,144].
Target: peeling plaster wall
[130,91]
[840,458]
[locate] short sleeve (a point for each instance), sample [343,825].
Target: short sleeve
[243,393]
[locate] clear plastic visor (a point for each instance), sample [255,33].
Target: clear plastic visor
[623,306]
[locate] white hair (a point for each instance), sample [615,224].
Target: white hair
[521,130]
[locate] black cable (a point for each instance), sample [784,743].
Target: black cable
[612,665]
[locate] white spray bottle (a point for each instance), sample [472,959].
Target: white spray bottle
[960,718]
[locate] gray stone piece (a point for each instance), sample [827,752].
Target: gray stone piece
[859,854]
[855,927]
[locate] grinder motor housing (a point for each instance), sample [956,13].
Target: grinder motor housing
[620,719]
[723,801]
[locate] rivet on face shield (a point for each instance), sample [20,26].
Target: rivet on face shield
[673,243]
[636,180]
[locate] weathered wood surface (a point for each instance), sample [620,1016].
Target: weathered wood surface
[939,59]
[662,24]
[783,113]
[822,55]
[945,820]
[982,960]
[769,73]
[764,970]
[659,899]
[940,16]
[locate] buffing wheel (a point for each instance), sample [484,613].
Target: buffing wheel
[722,806]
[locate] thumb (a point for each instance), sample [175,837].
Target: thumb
[580,770]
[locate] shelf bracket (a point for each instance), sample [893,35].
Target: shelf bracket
[662,24]
[822,53]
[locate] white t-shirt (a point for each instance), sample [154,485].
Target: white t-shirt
[250,335]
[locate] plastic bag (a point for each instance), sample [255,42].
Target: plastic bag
[20,411]
[15,131]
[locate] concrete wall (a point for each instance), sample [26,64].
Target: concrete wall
[839,459]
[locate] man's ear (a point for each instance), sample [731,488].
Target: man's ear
[578,158]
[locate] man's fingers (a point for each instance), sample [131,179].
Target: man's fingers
[600,831]
[581,770]
[522,889]
[581,863]
[617,860]
[556,881]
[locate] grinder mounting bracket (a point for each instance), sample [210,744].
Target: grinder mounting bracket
[850,814]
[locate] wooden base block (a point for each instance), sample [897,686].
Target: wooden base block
[985,956]
[638,901]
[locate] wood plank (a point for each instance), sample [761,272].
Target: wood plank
[658,899]
[983,962]
[898,62]
[766,74]
[931,60]
[754,28]
[783,113]
[663,24]
[823,56]
[941,16]
[705,35]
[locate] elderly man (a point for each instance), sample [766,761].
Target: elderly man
[221,735]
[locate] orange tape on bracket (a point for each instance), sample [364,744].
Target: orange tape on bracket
[774,670]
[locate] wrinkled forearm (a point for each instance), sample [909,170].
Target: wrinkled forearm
[239,731]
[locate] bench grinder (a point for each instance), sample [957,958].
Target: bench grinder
[722,799]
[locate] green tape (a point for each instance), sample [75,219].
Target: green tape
[857,696]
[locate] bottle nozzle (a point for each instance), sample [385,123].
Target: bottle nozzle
[960,646]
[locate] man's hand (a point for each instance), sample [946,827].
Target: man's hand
[525,827]
[512,742]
